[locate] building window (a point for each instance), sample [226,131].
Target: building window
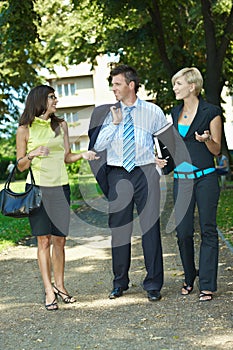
[72,89]
[59,90]
[75,147]
[71,117]
[66,89]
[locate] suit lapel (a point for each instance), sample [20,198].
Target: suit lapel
[194,126]
[197,119]
[97,118]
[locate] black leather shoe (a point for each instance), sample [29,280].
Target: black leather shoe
[153,295]
[116,293]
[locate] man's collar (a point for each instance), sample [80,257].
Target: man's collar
[134,105]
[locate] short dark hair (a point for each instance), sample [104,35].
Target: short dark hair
[129,73]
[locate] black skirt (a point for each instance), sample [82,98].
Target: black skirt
[53,216]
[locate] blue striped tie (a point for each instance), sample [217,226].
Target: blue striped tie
[128,142]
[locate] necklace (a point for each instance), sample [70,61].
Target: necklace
[185,116]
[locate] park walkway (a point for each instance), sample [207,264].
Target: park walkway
[95,322]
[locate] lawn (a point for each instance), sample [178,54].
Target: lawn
[13,230]
[225,215]
[84,186]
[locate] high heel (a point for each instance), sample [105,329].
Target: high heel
[53,306]
[66,298]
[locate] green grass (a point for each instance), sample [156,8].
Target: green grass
[13,230]
[84,186]
[225,214]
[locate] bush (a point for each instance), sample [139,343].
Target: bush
[3,167]
[4,173]
[80,167]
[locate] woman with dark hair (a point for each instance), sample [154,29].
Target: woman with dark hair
[43,143]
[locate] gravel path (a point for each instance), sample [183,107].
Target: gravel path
[95,322]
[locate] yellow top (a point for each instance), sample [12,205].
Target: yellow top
[48,170]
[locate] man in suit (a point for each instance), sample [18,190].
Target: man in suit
[122,134]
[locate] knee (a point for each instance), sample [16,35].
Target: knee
[210,238]
[184,236]
[44,242]
[58,242]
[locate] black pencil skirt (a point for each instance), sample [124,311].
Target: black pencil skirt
[53,216]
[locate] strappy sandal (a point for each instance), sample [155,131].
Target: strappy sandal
[202,295]
[188,289]
[66,298]
[53,306]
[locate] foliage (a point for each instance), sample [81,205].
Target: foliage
[80,167]
[158,37]
[19,61]
[8,147]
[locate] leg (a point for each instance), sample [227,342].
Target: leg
[207,199]
[44,262]
[58,261]
[147,199]
[223,181]
[121,223]
[184,213]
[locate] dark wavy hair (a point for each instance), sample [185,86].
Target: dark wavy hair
[129,73]
[36,105]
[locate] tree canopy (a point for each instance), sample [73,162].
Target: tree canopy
[157,37]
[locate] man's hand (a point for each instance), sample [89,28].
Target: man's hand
[116,115]
[160,162]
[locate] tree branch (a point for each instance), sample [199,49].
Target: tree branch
[159,35]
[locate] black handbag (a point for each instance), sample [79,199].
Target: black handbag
[20,205]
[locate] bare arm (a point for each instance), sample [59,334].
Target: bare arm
[21,147]
[70,157]
[212,137]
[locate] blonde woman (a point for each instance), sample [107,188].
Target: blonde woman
[199,124]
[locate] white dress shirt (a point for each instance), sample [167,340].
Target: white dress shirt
[148,118]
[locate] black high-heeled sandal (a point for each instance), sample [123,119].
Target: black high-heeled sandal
[53,306]
[67,299]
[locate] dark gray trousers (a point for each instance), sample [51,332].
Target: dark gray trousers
[139,188]
[205,193]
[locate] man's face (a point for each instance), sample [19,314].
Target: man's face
[120,88]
